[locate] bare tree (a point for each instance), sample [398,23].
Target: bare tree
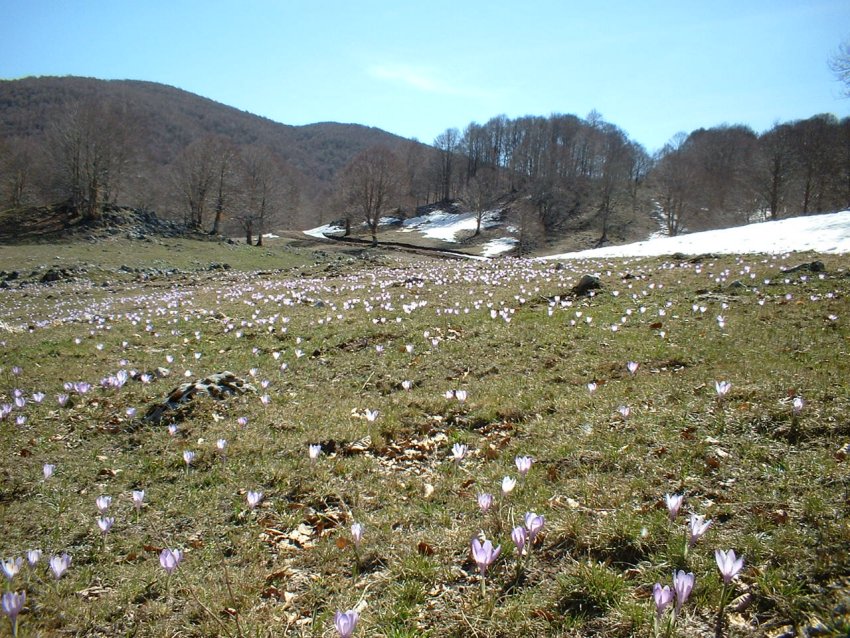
[17,168]
[267,190]
[91,145]
[194,179]
[447,144]
[371,185]
[839,62]
[479,193]
[227,155]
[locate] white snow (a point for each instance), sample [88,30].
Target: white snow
[818,233]
[321,231]
[445,226]
[497,246]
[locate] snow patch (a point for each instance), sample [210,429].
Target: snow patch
[497,246]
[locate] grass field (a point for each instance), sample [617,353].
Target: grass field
[368,355]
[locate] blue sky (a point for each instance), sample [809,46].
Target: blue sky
[417,68]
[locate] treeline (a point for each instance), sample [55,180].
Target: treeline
[223,171]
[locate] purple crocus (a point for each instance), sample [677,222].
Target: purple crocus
[314,451]
[533,523]
[11,567]
[48,470]
[520,537]
[523,464]
[728,564]
[254,498]
[663,596]
[485,500]
[105,524]
[138,498]
[682,585]
[12,604]
[346,622]
[59,565]
[632,366]
[674,502]
[484,554]
[458,452]
[103,502]
[357,534]
[697,527]
[170,559]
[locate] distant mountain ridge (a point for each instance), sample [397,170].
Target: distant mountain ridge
[171,119]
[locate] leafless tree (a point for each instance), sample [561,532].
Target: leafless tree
[371,185]
[194,179]
[224,165]
[91,145]
[447,144]
[267,189]
[839,62]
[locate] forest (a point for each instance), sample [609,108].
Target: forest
[90,144]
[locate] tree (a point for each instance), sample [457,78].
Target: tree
[194,177]
[266,190]
[226,157]
[840,65]
[447,144]
[673,181]
[479,192]
[91,145]
[370,184]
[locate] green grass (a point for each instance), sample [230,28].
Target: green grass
[771,481]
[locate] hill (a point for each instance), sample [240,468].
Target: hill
[164,121]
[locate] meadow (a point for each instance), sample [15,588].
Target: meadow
[399,413]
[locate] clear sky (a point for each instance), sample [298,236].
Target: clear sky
[415,68]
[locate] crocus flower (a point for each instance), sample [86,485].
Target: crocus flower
[674,502]
[356,533]
[458,452]
[523,464]
[254,498]
[797,405]
[59,565]
[519,536]
[170,559]
[632,366]
[371,415]
[460,395]
[172,429]
[221,444]
[533,523]
[483,554]
[103,502]
[682,584]
[188,457]
[346,622]
[722,388]
[407,384]
[138,498]
[12,604]
[485,501]
[314,451]
[508,484]
[105,523]
[591,387]
[48,470]
[33,556]
[728,564]
[698,527]
[62,399]
[624,411]
[11,567]
[663,596]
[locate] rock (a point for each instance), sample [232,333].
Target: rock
[585,285]
[812,266]
[218,386]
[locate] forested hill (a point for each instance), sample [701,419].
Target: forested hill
[160,122]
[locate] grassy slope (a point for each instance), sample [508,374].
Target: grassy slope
[770,482]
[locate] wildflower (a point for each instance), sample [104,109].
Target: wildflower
[62,399]
[356,533]
[254,498]
[48,470]
[682,585]
[797,406]
[371,415]
[458,452]
[460,395]
[484,502]
[519,536]
[449,394]
[624,411]
[38,397]
[674,502]
[483,554]
[103,502]
[221,444]
[105,523]
[533,524]
[722,388]
[591,387]
[698,527]
[33,556]
[663,596]
[11,567]
[188,457]
[314,451]
[728,564]
[59,565]
[407,384]
[242,421]
[138,498]
[265,399]
[632,367]
[12,603]
[170,559]
[523,464]
[172,429]
[346,622]
[130,412]
[508,484]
